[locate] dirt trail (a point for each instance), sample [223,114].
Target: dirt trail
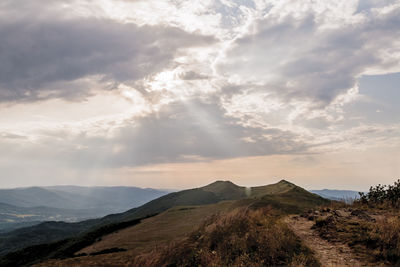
[328,254]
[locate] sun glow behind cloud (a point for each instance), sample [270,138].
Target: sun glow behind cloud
[145,90]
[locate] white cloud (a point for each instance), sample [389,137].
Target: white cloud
[308,56]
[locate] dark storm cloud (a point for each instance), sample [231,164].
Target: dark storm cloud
[46,53]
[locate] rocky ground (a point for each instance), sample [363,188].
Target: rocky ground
[339,237]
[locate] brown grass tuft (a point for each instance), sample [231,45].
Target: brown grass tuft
[387,235]
[241,238]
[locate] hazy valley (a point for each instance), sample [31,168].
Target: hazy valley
[29,206]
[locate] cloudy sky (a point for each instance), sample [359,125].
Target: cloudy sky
[177,94]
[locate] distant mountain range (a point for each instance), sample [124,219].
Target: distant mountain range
[346,195]
[21,207]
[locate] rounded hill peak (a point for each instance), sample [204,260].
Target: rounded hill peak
[225,189]
[283,181]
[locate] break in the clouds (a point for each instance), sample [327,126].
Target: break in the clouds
[91,87]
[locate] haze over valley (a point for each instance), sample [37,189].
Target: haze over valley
[28,206]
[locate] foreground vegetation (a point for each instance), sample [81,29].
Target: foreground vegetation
[244,237]
[377,240]
[382,196]
[370,226]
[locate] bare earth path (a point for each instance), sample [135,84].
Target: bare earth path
[328,254]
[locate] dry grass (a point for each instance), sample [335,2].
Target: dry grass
[170,226]
[373,235]
[241,238]
[158,230]
[386,233]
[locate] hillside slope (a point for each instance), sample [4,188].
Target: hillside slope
[242,237]
[219,191]
[292,199]
[282,196]
[14,240]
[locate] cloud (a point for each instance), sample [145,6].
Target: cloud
[185,131]
[311,54]
[51,53]
[87,87]
[180,132]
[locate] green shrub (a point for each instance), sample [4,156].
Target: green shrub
[382,195]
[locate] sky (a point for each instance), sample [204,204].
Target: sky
[178,94]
